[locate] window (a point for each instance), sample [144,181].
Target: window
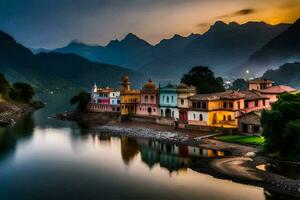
[246,104]
[224,105]
[229,117]
[264,102]
[140,108]
[224,118]
[161,112]
[239,105]
[172,99]
[201,117]
[167,99]
[194,116]
[153,109]
[194,104]
[182,101]
[198,105]
[152,98]
[230,104]
[204,106]
[256,103]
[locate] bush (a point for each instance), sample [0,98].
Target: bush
[282,127]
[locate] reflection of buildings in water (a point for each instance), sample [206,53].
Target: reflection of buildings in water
[101,139]
[129,149]
[172,156]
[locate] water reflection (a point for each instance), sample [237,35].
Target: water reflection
[170,156]
[9,136]
[42,158]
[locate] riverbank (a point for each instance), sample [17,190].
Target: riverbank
[11,111]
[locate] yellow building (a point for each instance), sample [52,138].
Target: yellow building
[222,109]
[128,98]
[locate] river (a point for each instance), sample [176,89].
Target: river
[43,158]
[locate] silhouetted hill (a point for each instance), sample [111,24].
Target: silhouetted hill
[56,69]
[281,49]
[287,74]
[131,52]
[222,47]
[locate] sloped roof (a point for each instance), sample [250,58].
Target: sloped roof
[278,89]
[229,94]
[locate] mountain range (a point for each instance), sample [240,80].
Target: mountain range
[55,69]
[287,74]
[281,49]
[224,48]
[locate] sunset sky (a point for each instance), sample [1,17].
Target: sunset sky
[53,23]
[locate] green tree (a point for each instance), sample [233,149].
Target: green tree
[240,84]
[4,86]
[204,80]
[22,92]
[81,99]
[282,127]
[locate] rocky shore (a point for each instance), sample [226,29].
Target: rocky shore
[11,112]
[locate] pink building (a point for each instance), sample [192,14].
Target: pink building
[273,92]
[149,103]
[259,84]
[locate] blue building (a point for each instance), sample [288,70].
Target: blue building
[168,101]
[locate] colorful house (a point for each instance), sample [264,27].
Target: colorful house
[129,99]
[149,104]
[168,102]
[183,93]
[222,109]
[101,100]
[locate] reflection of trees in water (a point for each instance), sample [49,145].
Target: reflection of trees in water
[275,196]
[129,149]
[23,129]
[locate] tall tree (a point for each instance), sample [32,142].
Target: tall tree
[204,80]
[282,127]
[81,99]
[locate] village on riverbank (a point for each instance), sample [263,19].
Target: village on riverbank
[230,111]
[224,128]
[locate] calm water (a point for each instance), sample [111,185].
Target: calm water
[42,158]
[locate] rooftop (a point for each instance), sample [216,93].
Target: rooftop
[228,95]
[278,89]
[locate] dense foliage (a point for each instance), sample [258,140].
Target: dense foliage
[81,99]
[282,127]
[22,92]
[204,80]
[4,86]
[240,84]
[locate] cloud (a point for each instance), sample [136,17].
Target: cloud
[246,11]
[203,25]
[290,4]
